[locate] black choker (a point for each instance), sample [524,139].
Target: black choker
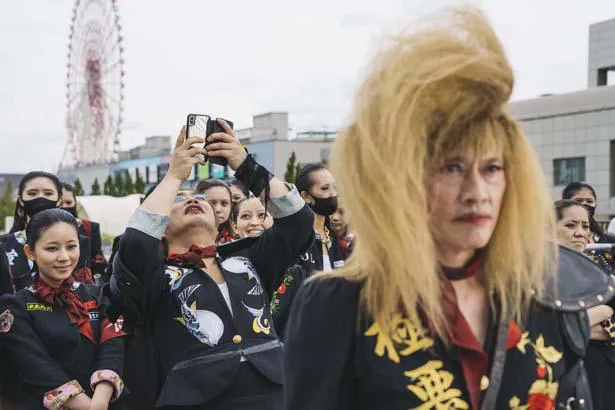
[464,272]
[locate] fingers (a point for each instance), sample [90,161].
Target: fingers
[190,141]
[218,146]
[222,137]
[227,128]
[224,153]
[181,137]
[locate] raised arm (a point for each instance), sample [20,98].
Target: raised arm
[139,260]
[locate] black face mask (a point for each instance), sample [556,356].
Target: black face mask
[324,206]
[72,210]
[34,206]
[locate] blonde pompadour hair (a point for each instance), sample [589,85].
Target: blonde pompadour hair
[431,94]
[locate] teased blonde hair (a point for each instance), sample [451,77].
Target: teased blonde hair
[430,95]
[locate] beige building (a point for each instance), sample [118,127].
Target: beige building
[574,133]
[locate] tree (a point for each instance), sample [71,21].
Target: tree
[139,185]
[291,168]
[7,205]
[118,182]
[95,190]
[129,187]
[109,188]
[78,188]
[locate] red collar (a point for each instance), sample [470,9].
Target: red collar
[193,257]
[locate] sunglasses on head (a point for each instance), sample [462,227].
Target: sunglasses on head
[182,198]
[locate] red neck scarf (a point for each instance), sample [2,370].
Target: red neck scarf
[66,297]
[194,257]
[465,272]
[224,236]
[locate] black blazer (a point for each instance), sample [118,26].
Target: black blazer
[195,341]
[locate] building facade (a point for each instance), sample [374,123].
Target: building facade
[574,133]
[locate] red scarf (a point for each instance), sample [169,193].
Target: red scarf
[84,275]
[224,236]
[194,257]
[66,297]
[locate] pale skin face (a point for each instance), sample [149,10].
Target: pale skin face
[585,197]
[68,199]
[573,229]
[190,212]
[56,253]
[251,218]
[40,187]
[464,199]
[220,201]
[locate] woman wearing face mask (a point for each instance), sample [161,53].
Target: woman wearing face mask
[91,247]
[451,306]
[53,333]
[573,232]
[37,192]
[220,197]
[317,187]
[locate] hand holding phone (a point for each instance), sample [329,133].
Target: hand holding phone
[202,125]
[225,144]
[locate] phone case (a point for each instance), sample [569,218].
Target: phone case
[197,126]
[213,128]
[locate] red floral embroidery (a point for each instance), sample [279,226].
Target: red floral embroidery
[541,372]
[539,401]
[282,289]
[514,335]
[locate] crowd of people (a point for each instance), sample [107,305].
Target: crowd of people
[440,276]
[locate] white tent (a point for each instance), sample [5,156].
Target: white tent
[110,212]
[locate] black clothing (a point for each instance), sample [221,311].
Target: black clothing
[336,357]
[311,261]
[186,332]
[41,345]
[96,260]
[600,359]
[16,269]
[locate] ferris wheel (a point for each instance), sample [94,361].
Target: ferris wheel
[94,84]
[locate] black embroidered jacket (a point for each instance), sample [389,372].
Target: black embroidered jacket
[47,358]
[196,342]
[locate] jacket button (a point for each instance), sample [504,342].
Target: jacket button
[237,339]
[484,383]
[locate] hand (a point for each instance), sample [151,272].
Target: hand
[226,146]
[102,396]
[598,333]
[79,402]
[599,313]
[185,156]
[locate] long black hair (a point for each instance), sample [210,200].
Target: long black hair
[20,218]
[304,181]
[46,219]
[572,188]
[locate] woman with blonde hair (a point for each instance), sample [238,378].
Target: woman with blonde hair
[452,306]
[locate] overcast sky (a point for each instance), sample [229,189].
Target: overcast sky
[237,58]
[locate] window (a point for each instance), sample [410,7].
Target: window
[567,170]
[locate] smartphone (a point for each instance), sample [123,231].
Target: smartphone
[213,128]
[197,126]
